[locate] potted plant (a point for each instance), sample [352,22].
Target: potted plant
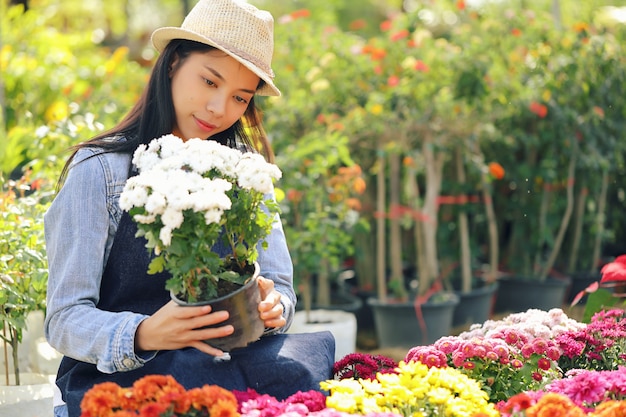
[321,210]
[190,196]
[23,267]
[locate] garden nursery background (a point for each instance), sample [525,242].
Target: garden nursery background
[432,151]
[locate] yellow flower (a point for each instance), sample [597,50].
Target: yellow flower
[57,111]
[116,58]
[376,109]
[5,54]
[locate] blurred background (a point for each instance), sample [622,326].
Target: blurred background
[427,146]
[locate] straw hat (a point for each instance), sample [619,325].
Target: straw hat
[235,27]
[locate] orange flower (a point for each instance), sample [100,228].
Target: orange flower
[153,387]
[516,32]
[378,54]
[357,24]
[400,35]
[460,4]
[359,185]
[496,170]
[599,111]
[354,204]
[553,404]
[213,397]
[302,13]
[581,27]
[294,196]
[539,109]
[386,25]
[102,399]
[367,49]
[408,161]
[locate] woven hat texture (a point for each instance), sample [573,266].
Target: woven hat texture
[235,27]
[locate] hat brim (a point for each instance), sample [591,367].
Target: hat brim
[162,36]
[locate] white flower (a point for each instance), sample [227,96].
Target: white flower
[165,235]
[254,173]
[170,145]
[156,203]
[172,218]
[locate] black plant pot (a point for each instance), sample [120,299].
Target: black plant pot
[242,306]
[580,281]
[474,306]
[518,294]
[399,324]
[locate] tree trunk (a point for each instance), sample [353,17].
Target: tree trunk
[395,234]
[492,226]
[546,197]
[434,170]
[413,196]
[466,257]
[380,229]
[566,216]
[579,216]
[323,285]
[600,219]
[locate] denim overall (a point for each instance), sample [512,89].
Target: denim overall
[278,365]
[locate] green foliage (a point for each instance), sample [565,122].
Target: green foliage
[320,210]
[23,264]
[56,81]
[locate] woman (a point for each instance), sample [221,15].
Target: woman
[111,320]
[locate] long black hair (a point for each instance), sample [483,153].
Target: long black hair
[154,115]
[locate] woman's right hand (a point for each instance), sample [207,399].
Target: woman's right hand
[175,327]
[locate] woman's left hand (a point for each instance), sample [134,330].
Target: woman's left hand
[270,307]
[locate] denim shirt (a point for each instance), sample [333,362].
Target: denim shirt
[79,229]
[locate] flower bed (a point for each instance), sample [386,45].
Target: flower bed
[534,363]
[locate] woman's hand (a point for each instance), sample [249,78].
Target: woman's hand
[176,327]
[270,307]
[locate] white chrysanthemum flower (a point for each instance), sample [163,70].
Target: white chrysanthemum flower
[144,159]
[144,219]
[212,196]
[165,235]
[172,218]
[134,195]
[156,203]
[255,173]
[213,215]
[170,145]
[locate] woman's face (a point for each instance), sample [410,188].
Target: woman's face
[211,91]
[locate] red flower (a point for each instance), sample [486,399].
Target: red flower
[393,80]
[539,109]
[614,271]
[421,66]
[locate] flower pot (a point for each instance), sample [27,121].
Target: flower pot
[399,325]
[341,324]
[339,300]
[33,398]
[580,281]
[243,308]
[518,294]
[474,306]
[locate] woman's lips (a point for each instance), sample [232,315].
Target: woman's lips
[207,127]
